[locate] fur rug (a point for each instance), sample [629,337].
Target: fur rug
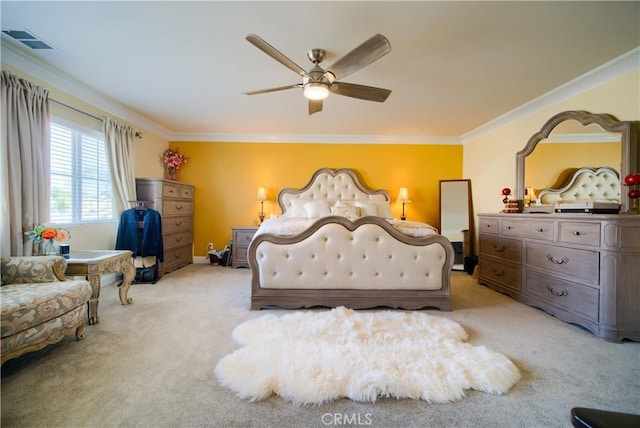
[317,357]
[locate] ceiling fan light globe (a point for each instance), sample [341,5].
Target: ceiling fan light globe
[316,91]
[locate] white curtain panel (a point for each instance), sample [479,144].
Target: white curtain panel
[119,139]
[24,162]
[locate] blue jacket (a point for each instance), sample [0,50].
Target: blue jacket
[145,241]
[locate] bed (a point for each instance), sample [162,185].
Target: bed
[337,244]
[586,185]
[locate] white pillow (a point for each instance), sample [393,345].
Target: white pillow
[384,210]
[352,213]
[317,209]
[367,208]
[297,208]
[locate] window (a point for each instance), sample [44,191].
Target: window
[81,189]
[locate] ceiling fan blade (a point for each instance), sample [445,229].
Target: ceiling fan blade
[363,55]
[368,93]
[275,54]
[315,106]
[279,88]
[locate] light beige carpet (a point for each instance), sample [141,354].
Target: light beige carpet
[151,364]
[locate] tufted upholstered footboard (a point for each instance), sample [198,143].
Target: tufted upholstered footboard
[360,264]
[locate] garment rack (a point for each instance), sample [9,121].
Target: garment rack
[142,205]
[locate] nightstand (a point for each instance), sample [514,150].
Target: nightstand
[241,236]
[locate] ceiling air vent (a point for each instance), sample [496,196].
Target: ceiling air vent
[27,38]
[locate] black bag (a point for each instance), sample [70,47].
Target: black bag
[145,275]
[225,257]
[470,263]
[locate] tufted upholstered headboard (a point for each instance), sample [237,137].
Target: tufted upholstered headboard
[586,185]
[332,185]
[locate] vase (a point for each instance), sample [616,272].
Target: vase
[50,247]
[170,173]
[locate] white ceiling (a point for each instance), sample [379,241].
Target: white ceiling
[454,66]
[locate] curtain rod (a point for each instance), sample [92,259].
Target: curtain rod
[61,104]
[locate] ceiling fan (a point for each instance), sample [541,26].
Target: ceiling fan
[317,83]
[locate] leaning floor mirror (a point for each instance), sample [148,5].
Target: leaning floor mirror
[456,218]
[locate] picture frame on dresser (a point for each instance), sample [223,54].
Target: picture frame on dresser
[582,268]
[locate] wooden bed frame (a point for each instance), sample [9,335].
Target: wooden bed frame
[421,264]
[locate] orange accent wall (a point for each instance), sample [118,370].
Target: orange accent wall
[226,177]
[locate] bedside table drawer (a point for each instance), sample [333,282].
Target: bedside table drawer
[242,237]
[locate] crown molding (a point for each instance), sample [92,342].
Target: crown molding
[315,138]
[18,58]
[31,65]
[623,64]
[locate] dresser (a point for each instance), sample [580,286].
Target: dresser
[174,201]
[242,237]
[581,268]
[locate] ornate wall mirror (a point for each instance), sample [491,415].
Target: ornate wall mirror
[456,218]
[575,139]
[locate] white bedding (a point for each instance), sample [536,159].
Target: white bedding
[287,226]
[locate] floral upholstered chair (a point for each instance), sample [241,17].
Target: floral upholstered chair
[39,305]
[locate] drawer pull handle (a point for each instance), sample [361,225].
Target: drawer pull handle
[178,223]
[576,233]
[555,293]
[498,249]
[562,261]
[178,207]
[508,227]
[488,226]
[540,229]
[498,273]
[178,239]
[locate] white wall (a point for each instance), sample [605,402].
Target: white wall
[490,160]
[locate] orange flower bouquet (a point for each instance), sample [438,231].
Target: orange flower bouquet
[49,236]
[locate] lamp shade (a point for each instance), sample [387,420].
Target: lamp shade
[262,194]
[403,196]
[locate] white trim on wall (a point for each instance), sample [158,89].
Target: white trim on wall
[623,64]
[316,138]
[613,69]
[42,71]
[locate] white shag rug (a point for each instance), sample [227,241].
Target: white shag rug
[317,357]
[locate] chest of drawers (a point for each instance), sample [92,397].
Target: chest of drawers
[174,201]
[581,268]
[242,237]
